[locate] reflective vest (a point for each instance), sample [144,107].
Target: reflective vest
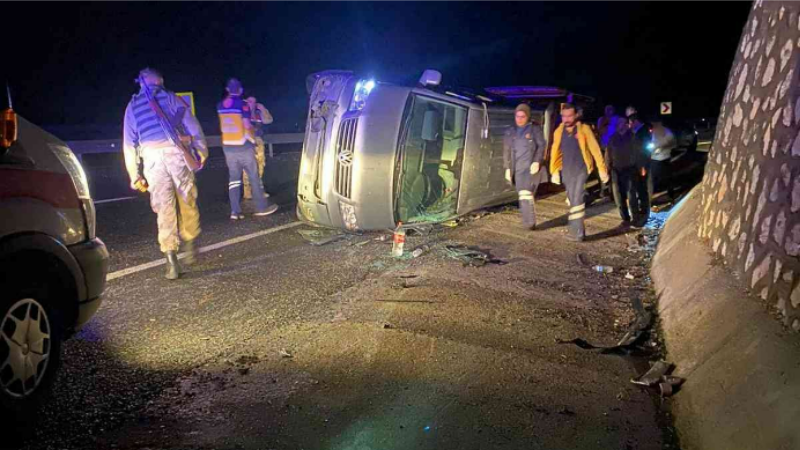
[232,111]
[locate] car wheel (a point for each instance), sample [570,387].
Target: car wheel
[30,349]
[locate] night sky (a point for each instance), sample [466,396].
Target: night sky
[74,64]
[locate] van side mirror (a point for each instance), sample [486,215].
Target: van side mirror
[8,129]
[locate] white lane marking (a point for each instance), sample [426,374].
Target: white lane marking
[97,202]
[208,248]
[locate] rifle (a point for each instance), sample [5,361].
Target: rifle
[174,136]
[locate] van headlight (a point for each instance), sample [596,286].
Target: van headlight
[81,183]
[363,88]
[348,216]
[74,169]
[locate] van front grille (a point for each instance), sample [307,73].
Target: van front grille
[345,153]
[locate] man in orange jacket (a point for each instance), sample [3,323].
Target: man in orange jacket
[575,152]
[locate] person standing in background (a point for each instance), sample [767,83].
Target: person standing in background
[523,157]
[575,152]
[259,118]
[238,143]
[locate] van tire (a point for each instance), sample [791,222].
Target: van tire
[29,303]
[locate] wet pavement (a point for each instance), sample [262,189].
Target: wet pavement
[275,343]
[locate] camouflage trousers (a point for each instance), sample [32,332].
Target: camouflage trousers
[261,161]
[173,197]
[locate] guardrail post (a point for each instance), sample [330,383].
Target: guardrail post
[270,150]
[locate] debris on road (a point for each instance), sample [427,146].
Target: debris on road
[479,215]
[579,342]
[672,380]
[669,385]
[643,320]
[387,326]
[421,250]
[582,259]
[322,236]
[450,224]
[405,280]
[418,230]
[654,375]
[604,269]
[471,256]
[629,276]
[628,341]
[285,354]
[662,207]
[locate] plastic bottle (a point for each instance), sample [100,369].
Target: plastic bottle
[398,240]
[420,250]
[604,269]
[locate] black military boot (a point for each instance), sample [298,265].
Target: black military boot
[173,269]
[191,253]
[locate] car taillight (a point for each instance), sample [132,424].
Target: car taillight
[8,128]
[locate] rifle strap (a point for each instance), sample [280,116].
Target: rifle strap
[162,118]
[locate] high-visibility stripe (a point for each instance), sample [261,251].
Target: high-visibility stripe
[581,207]
[525,195]
[577,216]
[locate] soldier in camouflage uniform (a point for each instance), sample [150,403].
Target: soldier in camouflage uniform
[259,117]
[173,193]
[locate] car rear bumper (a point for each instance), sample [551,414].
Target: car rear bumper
[92,256]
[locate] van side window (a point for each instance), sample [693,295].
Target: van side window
[499,122]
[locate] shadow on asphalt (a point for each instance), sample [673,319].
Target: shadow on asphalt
[94,392]
[592,211]
[618,231]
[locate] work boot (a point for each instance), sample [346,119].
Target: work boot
[173,269]
[191,253]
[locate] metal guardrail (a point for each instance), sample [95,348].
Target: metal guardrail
[81,148]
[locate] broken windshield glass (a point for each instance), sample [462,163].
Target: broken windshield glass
[431,158]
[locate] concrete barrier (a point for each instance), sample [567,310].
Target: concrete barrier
[742,366]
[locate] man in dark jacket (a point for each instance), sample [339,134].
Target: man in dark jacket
[628,160]
[523,156]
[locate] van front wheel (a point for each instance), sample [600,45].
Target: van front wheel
[30,349]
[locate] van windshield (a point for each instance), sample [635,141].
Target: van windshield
[431,154]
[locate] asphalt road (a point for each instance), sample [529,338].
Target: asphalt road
[274,343]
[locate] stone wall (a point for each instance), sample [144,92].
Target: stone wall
[751,191]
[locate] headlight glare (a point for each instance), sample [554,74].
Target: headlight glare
[360,94]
